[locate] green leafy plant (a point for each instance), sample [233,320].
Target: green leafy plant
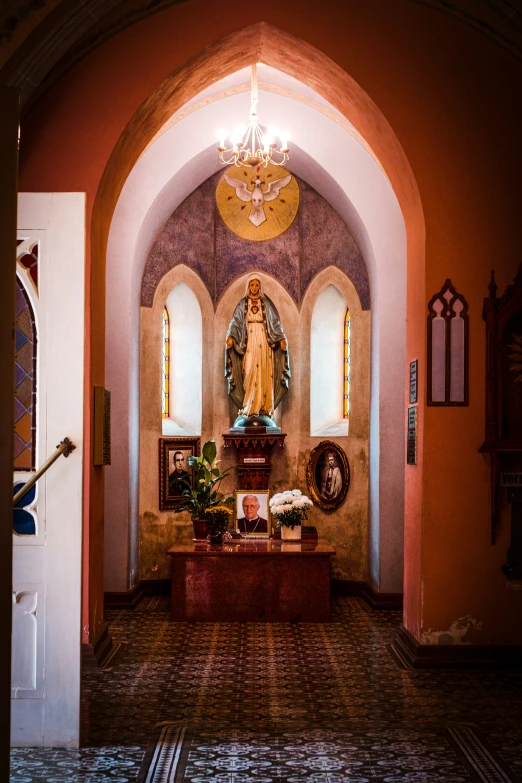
[204,493]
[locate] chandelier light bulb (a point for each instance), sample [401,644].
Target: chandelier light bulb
[221,136]
[285,137]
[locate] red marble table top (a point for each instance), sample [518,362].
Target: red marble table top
[261,547]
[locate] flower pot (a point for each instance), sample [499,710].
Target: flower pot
[215,536]
[200,529]
[287,534]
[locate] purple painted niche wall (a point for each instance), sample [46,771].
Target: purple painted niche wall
[195,235]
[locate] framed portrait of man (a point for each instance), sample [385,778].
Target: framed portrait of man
[252,512]
[328,475]
[175,472]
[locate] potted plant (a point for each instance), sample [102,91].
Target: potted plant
[203,494]
[218,518]
[290,508]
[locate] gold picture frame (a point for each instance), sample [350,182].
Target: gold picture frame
[328,475]
[242,509]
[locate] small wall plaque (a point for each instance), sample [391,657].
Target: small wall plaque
[411,448]
[102,426]
[511,480]
[413,381]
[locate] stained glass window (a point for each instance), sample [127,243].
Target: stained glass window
[25,383]
[346,372]
[165,365]
[29,261]
[23,521]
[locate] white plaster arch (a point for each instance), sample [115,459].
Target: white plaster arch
[355,512]
[183,274]
[333,161]
[150,384]
[361,326]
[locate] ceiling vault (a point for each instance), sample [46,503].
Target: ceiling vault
[42,39]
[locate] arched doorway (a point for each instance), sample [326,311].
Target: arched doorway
[385,162]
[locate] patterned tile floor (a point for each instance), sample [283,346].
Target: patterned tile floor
[282,704]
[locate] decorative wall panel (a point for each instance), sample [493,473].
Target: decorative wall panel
[448,346]
[27,679]
[196,235]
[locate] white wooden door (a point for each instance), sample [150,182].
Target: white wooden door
[46,642]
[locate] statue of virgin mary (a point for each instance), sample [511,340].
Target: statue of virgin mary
[256,361]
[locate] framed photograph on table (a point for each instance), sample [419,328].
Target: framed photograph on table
[252,512]
[174,470]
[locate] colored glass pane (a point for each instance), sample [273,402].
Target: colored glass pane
[346,368]
[165,365]
[23,521]
[30,262]
[25,382]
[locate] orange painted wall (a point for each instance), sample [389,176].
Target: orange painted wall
[451,96]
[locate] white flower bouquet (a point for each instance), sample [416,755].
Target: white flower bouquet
[290,508]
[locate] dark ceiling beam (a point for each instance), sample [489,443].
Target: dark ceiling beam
[76,27]
[65,36]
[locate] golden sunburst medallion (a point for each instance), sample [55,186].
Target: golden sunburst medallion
[257,203]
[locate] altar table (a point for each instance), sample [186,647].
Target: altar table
[261,581]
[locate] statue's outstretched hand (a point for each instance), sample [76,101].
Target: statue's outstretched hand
[283,345]
[230,342]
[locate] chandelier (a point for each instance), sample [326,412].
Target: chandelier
[251,146]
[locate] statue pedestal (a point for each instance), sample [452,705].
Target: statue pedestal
[254,424]
[254,451]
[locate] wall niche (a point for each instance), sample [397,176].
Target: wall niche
[316,254]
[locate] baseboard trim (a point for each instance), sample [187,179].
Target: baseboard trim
[131,598]
[94,654]
[364,590]
[151,587]
[127,599]
[429,656]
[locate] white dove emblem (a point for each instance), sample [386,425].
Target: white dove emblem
[257,196]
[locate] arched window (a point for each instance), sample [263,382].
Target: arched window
[330,364]
[346,365]
[165,365]
[25,383]
[182,366]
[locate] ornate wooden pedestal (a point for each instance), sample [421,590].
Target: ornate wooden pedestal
[254,456]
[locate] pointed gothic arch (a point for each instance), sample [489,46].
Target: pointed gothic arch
[263,43]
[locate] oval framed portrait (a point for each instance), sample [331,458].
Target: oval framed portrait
[328,475]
